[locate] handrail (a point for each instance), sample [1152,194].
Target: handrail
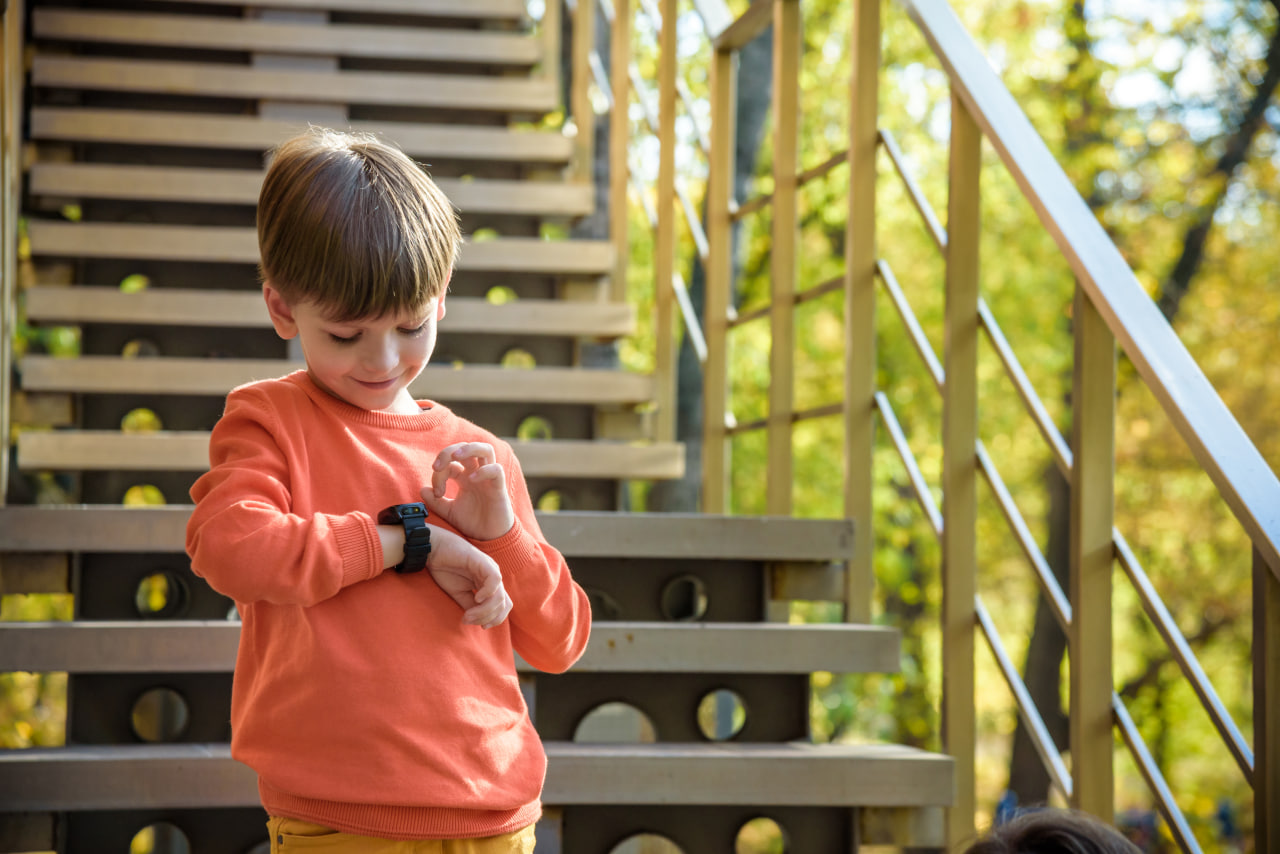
[1215,437]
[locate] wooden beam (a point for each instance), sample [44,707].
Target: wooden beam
[664,244]
[510,9]
[201,130]
[662,536]
[217,80]
[204,775]
[108,450]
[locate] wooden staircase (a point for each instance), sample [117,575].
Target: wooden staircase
[147,123]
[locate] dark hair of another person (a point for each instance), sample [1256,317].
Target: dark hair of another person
[1053,832]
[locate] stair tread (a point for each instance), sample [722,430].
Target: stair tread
[189,646]
[577,534]
[222,80]
[188,450]
[205,130]
[241,186]
[511,9]
[247,34]
[194,307]
[444,383]
[239,245]
[789,774]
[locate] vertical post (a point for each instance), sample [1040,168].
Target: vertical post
[782,264]
[619,138]
[664,253]
[719,283]
[1093,417]
[960,465]
[549,36]
[860,306]
[11,75]
[1266,706]
[584,117]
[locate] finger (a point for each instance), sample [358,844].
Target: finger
[440,477]
[480,451]
[492,471]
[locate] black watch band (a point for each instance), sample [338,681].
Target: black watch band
[417,534]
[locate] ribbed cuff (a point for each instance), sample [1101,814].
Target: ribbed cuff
[515,549]
[358,547]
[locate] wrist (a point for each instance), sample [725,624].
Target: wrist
[392,540]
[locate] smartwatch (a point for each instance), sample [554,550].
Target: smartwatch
[417,534]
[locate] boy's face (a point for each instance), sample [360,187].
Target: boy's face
[368,363]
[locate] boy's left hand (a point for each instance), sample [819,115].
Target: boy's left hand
[481,509]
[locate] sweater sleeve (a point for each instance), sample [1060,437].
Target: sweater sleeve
[243,537]
[551,615]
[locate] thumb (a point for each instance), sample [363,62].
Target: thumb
[440,506]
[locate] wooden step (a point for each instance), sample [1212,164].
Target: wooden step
[241,186]
[190,646]
[234,245]
[108,450]
[174,776]
[488,383]
[203,130]
[220,80]
[577,534]
[513,10]
[247,34]
[183,307]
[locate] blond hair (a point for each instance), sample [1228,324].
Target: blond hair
[350,223]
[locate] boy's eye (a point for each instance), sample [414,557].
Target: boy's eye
[338,339]
[418,330]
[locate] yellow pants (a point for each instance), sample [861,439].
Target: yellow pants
[290,834]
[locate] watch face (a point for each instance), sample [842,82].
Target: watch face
[410,511]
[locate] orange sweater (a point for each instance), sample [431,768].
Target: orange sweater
[360,698]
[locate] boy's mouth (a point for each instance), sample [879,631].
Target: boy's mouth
[378,386]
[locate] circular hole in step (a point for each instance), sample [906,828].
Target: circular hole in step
[684,599]
[646,843]
[534,428]
[162,596]
[140,348]
[551,501]
[615,723]
[143,495]
[761,835]
[160,715]
[603,606]
[721,715]
[517,359]
[141,420]
[500,295]
[160,838]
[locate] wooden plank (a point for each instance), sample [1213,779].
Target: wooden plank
[449,91]
[795,774]
[203,130]
[665,345]
[241,187]
[199,646]
[1266,705]
[236,245]
[719,284]
[663,536]
[180,450]
[960,466]
[619,142]
[247,34]
[510,9]
[182,307]
[1093,419]
[117,375]
[749,25]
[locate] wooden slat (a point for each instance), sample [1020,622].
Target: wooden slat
[246,34]
[235,245]
[106,450]
[665,536]
[204,775]
[241,186]
[117,375]
[202,130]
[452,91]
[191,646]
[181,307]
[511,9]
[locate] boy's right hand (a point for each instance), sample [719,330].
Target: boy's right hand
[470,577]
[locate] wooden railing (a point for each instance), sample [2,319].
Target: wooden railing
[11,69]
[1110,308]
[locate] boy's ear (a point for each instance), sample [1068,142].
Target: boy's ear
[281,313]
[440,309]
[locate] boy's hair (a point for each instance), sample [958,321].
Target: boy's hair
[351,224]
[1052,831]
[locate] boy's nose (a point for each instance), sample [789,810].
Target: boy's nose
[380,356]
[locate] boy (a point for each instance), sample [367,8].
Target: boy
[371,708]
